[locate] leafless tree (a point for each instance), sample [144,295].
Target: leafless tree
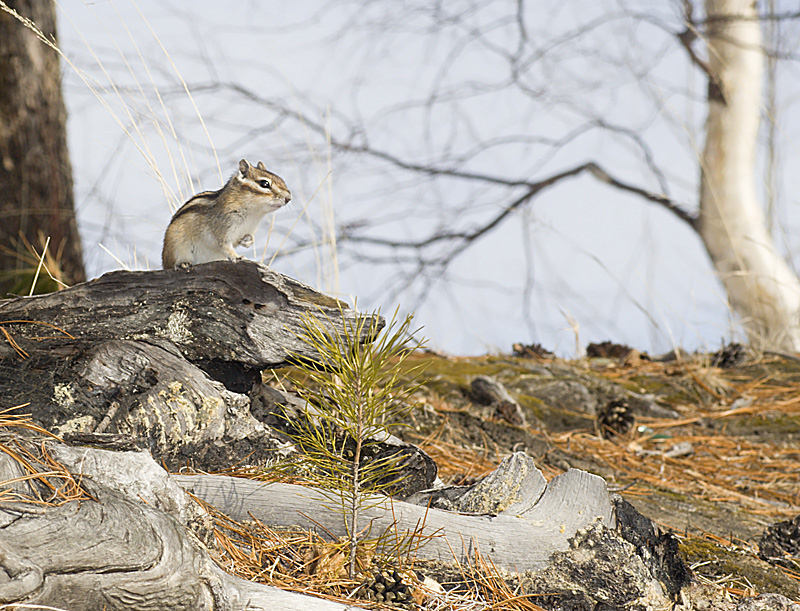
[513,100]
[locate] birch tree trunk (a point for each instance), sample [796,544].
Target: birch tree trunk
[762,289]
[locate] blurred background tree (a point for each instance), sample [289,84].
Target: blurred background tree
[36,198]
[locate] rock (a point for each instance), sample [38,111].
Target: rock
[514,487]
[490,392]
[684,448]
[566,394]
[767,602]
[645,405]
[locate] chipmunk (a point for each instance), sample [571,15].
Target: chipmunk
[211,224]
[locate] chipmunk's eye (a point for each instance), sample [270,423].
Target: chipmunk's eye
[264,184]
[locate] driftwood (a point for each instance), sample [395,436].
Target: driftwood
[524,541]
[129,548]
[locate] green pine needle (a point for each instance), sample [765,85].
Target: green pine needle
[357,392]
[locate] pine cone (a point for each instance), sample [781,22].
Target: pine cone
[728,356]
[615,418]
[780,543]
[387,586]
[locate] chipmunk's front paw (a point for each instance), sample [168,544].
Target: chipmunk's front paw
[184,266]
[246,241]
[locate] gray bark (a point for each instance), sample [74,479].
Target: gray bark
[220,312]
[127,548]
[130,547]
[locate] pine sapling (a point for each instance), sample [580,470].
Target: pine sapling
[358,389]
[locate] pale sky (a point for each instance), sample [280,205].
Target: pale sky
[579,256]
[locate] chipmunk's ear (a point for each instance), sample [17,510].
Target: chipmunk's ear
[261,166]
[243,167]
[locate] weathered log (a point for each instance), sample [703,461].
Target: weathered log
[520,542]
[127,548]
[100,349]
[161,359]
[171,358]
[219,312]
[563,538]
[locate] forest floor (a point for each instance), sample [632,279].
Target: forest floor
[709,453]
[705,445]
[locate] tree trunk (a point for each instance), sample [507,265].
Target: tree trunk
[35,171]
[762,289]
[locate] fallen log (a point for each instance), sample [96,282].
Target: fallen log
[220,312]
[170,359]
[520,542]
[122,547]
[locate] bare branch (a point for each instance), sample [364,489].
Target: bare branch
[467,237]
[687,217]
[687,38]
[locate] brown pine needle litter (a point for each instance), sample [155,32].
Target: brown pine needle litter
[42,480]
[763,476]
[726,463]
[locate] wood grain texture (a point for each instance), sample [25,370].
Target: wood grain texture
[227,311]
[127,548]
[521,542]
